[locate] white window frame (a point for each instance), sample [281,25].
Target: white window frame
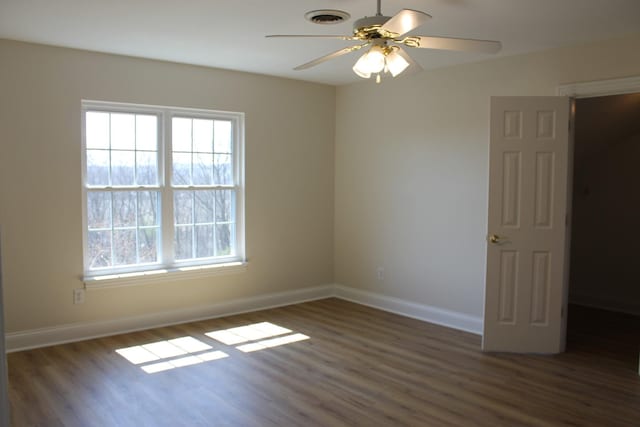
[167,267]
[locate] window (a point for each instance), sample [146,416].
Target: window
[163,188]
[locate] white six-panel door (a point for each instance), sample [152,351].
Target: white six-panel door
[528,194]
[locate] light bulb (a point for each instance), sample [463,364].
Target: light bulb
[375,59]
[361,67]
[396,63]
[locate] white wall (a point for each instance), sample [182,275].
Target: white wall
[289,177]
[412,165]
[4,382]
[410,162]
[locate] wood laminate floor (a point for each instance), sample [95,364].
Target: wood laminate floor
[335,363]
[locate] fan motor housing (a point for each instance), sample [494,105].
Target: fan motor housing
[367,26]
[370,21]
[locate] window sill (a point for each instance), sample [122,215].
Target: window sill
[162,275]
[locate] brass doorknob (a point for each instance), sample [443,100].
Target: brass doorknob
[494,238]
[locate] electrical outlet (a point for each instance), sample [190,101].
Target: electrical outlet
[78,296]
[380,273]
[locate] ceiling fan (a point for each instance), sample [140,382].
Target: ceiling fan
[385,35]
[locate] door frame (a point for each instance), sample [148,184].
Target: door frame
[591,89]
[600,88]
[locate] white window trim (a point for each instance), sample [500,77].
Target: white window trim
[167,269]
[162,275]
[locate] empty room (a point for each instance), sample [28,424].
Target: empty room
[319,213]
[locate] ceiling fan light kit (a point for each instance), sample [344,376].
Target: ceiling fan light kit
[383,35]
[380,58]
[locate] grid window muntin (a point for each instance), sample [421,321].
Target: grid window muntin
[166,227]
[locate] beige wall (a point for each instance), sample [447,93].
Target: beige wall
[289,177]
[606,203]
[410,175]
[412,165]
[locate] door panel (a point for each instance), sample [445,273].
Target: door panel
[528,173]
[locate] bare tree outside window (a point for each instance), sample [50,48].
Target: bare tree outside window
[125,187]
[201,155]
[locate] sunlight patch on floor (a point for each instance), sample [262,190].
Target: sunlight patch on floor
[274,342]
[184,361]
[242,334]
[165,355]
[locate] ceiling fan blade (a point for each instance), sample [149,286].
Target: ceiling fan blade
[450,43]
[414,67]
[330,56]
[403,22]
[311,36]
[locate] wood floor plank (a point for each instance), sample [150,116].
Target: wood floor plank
[358,367]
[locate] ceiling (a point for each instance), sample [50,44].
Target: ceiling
[230,33]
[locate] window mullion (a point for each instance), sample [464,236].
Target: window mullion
[137,226]
[113,253]
[167,227]
[193,223]
[105,174]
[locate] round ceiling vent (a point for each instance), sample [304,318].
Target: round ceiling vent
[327,16]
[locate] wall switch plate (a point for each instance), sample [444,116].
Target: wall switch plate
[380,273]
[78,296]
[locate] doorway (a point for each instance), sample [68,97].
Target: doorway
[605,240]
[604,295]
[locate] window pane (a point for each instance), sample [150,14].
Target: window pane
[222,169]
[122,167]
[146,167]
[98,167]
[148,208]
[124,247]
[148,245]
[146,132]
[99,246]
[222,136]
[181,134]
[97,129]
[183,207]
[203,136]
[181,169]
[125,152]
[124,208]
[204,241]
[123,131]
[223,205]
[203,207]
[183,246]
[202,169]
[223,240]
[98,210]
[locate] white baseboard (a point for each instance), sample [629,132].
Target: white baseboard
[414,310]
[25,340]
[604,303]
[43,337]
